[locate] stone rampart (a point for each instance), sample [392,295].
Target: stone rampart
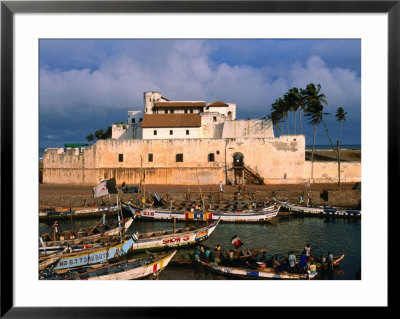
[277,160]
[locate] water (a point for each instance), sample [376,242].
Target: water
[338,235]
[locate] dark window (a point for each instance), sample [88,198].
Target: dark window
[120,157]
[155,132]
[166,111]
[185,110]
[211,157]
[191,111]
[179,157]
[171,132]
[214,118]
[172,111]
[187,132]
[133,120]
[150,157]
[140,120]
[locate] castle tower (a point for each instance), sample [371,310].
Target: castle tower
[150,98]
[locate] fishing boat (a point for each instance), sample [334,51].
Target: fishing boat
[323,263]
[82,235]
[261,215]
[181,237]
[259,273]
[321,210]
[149,266]
[86,257]
[53,214]
[226,257]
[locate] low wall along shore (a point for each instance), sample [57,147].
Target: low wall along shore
[345,199]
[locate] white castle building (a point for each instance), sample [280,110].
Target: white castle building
[165,119]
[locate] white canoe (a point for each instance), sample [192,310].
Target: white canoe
[236,216]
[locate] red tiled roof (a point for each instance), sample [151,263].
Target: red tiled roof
[218,103]
[171,120]
[180,104]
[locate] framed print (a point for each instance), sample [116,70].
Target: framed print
[86,62]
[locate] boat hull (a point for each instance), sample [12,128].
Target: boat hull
[175,240]
[322,210]
[93,256]
[261,273]
[82,214]
[234,217]
[140,272]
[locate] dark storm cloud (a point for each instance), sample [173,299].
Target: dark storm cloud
[90,84]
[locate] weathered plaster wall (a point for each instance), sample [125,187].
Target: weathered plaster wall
[254,128]
[279,160]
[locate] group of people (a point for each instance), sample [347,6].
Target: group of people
[207,255]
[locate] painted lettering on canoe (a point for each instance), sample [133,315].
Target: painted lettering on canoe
[145,213]
[82,260]
[176,239]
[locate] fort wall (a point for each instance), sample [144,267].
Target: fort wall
[278,160]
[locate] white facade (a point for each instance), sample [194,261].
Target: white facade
[218,120]
[171,133]
[135,117]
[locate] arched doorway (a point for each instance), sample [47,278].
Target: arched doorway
[238,165]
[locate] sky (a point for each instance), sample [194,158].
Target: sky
[88,84]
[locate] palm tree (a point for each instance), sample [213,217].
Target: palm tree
[280,111]
[340,117]
[276,118]
[314,112]
[302,106]
[292,99]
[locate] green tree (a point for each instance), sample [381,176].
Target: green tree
[293,103]
[340,117]
[314,112]
[90,137]
[100,134]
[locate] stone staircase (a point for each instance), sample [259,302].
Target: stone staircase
[252,177]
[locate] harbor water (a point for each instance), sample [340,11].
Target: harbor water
[281,235]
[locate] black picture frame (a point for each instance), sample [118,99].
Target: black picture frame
[9,8]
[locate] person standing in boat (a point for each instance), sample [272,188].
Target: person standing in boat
[303,260]
[308,251]
[56,229]
[292,261]
[217,257]
[330,260]
[276,264]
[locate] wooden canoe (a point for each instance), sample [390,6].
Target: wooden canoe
[123,270]
[168,239]
[89,256]
[52,214]
[152,213]
[259,273]
[81,236]
[239,256]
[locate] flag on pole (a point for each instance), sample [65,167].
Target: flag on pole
[101,189]
[236,241]
[106,186]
